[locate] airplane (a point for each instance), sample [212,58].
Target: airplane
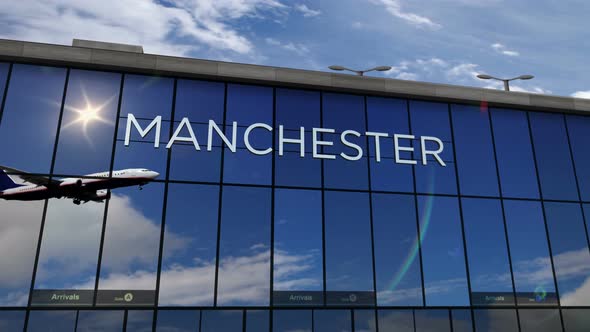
[92,187]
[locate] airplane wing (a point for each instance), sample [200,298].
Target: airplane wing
[34,179]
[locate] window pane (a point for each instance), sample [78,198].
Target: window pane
[257,321]
[221,321]
[432,119]
[390,116]
[570,252]
[539,320]
[349,268]
[88,124]
[475,151]
[576,320]
[190,245]
[245,247]
[100,320]
[396,321]
[52,321]
[12,320]
[33,101]
[531,264]
[247,105]
[344,112]
[487,254]
[331,321]
[553,156]
[69,265]
[140,320]
[178,321]
[499,320]
[462,320]
[199,101]
[146,97]
[397,256]
[579,134]
[516,165]
[19,232]
[432,320]
[291,320]
[3,77]
[364,321]
[298,266]
[129,263]
[443,258]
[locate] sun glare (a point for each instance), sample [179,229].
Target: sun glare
[87,115]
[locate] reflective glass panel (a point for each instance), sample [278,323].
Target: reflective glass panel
[396,320]
[257,321]
[461,319]
[579,135]
[570,252]
[475,151]
[576,320]
[140,320]
[221,320]
[100,320]
[244,247]
[292,320]
[432,320]
[364,321]
[332,321]
[443,257]
[4,67]
[30,118]
[51,321]
[190,245]
[12,320]
[514,153]
[487,254]
[397,257]
[554,161]
[178,320]
[498,320]
[539,320]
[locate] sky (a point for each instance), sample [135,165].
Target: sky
[442,41]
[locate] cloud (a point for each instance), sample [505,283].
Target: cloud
[581,94]
[306,11]
[394,8]
[415,69]
[357,25]
[500,48]
[298,49]
[175,27]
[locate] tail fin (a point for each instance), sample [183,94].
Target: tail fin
[6,182]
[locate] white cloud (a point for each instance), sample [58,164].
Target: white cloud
[394,7]
[306,11]
[298,49]
[176,29]
[357,25]
[581,94]
[413,70]
[500,48]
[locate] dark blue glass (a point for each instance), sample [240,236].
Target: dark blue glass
[475,151]
[461,319]
[257,321]
[343,112]
[539,320]
[514,153]
[244,249]
[332,321]
[348,258]
[88,124]
[190,245]
[19,236]
[432,320]
[29,121]
[221,320]
[292,320]
[12,320]
[443,257]
[529,251]
[298,108]
[554,161]
[432,119]
[396,320]
[100,320]
[364,321]
[389,116]
[298,240]
[570,252]
[397,259]
[52,321]
[579,134]
[4,67]
[140,320]
[178,321]
[487,254]
[200,101]
[495,320]
[576,320]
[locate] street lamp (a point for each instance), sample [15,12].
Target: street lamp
[506,85]
[361,72]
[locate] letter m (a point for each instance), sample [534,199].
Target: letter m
[157,122]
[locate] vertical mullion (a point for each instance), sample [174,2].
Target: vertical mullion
[5,92]
[272,207]
[323,206]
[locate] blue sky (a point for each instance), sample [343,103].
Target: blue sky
[445,41]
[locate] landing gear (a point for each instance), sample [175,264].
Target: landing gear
[140,187]
[77,201]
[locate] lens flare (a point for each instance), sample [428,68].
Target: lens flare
[87,114]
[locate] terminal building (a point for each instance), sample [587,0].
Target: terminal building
[141,192]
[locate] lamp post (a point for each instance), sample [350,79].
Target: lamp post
[505,80]
[361,72]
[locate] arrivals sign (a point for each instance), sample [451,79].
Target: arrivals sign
[184,132]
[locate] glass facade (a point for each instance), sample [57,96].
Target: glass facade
[279,209]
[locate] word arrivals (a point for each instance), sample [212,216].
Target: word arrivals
[401,142]
[65,297]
